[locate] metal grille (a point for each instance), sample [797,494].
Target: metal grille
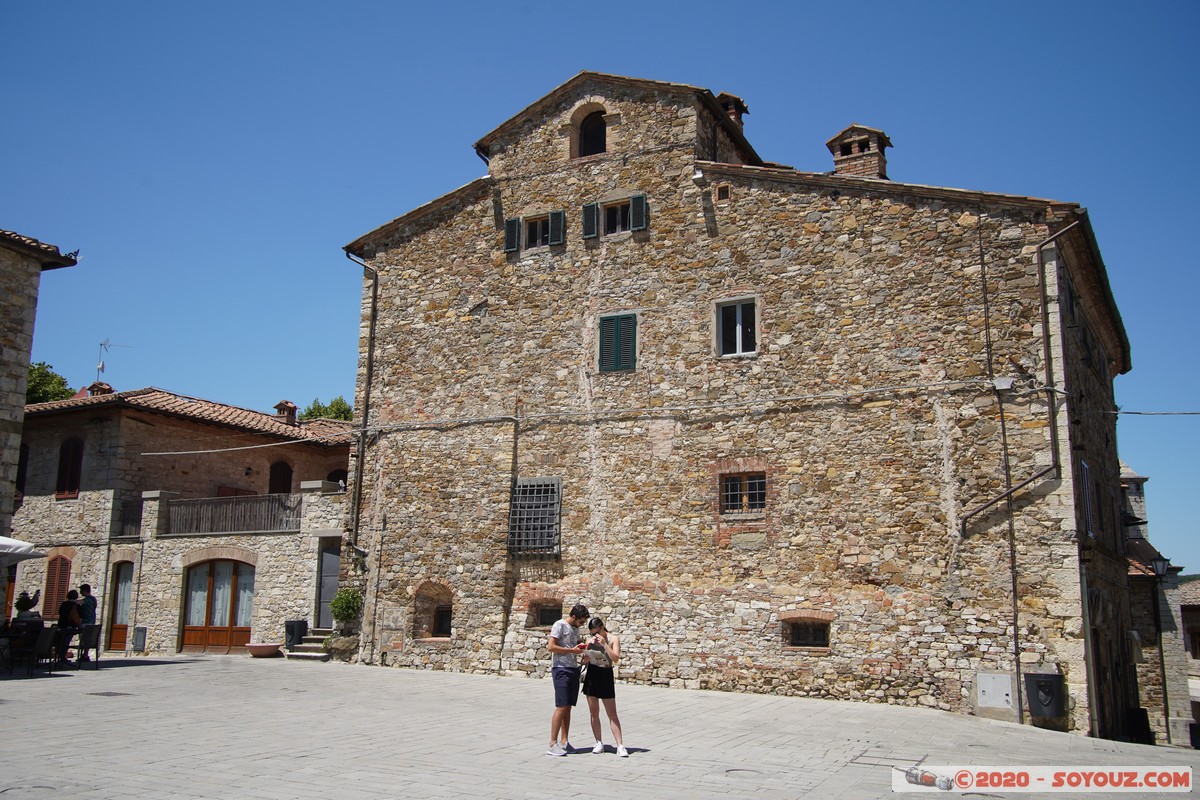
[534,517]
[741,493]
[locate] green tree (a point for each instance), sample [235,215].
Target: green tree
[46,385]
[337,408]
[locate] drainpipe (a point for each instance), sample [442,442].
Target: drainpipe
[356,502]
[1055,467]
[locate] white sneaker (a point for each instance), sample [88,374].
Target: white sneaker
[556,749]
[622,752]
[598,749]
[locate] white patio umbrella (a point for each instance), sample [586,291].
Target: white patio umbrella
[12,551]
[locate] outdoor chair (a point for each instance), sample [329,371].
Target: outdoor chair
[23,637]
[42,650]
[89,639]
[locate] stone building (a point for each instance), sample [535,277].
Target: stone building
[206,524]
[1158,619]
[22,262]
[814,433]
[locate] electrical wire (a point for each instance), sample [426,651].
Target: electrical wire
[843,396]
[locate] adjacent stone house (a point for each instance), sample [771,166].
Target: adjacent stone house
[22,262]
[1158,619]
[205,524]
[813,433]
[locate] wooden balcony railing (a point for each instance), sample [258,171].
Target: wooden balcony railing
[265,513]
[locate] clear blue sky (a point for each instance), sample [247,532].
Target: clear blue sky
[210,160]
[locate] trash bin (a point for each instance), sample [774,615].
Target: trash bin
[1046,694]
[296,630]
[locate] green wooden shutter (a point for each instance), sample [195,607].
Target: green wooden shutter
[591,221]
[638,218]
[558,225]
[618,343]
[626,342]
[512,235]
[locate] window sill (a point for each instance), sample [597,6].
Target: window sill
[812,651]
[66,495]
[434,641]
[738,356]
[738,517]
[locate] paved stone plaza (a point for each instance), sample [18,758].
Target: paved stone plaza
[268,729]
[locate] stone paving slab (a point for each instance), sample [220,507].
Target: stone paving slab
[270,729]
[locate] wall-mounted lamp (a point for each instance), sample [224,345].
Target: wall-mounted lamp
[698,177]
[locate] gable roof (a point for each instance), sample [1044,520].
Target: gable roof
[327,432]
[46,254]
[703,95]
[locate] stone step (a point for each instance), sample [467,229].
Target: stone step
[307,655]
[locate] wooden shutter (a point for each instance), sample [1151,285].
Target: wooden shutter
[591,220]
[626,342]
[512,235]
[70,467]
[618,343]
[58,582]
[638,217]
[558,225]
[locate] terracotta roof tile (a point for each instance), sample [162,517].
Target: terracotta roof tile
[160,401]
[48,254]
[1189,593]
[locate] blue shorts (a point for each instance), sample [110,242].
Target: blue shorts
[566,686]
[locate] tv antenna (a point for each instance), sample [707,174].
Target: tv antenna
[105,346]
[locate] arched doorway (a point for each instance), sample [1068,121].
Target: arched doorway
[219,604]
[122,594]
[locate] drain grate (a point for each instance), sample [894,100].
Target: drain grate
[110,694]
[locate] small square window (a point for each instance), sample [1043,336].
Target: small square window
[723,192]
[737,328]
[743,493]
[616,218]
[537,232]
[543,616]
[806,633]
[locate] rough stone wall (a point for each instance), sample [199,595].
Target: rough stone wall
[1173,660]
[867,403]
[19,280]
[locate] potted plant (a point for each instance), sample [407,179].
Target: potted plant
[346,607]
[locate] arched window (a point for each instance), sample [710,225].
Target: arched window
[433,612]
[58,583]
[592,134]
[281,478]
[70,467]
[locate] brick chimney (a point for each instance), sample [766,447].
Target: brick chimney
[858,151]
[285,412]
[99,388]
[734,106]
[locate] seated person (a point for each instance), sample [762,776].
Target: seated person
[69,620]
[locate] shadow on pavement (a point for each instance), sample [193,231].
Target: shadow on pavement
[105,664]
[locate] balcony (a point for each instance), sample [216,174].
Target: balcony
[268,513]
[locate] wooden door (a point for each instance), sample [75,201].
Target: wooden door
[122,594]
[218,606]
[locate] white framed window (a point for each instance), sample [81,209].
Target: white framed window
[737,327]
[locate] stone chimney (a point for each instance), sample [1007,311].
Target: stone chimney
[858,151]
[285,412]
[98,388]
[734,106]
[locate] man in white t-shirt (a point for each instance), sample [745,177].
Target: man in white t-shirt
[564,647]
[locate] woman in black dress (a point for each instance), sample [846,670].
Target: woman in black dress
[603,652]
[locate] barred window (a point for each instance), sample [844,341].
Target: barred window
[534,517]
[806,633]
[743,492]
